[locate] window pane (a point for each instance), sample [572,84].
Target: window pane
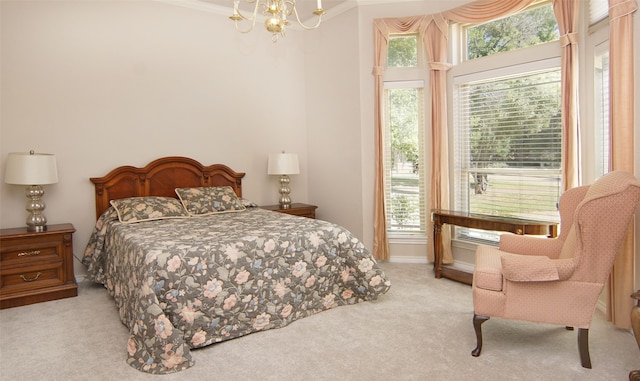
[601,113]
[508,146]
[404,173]
[403,51]
[528,28]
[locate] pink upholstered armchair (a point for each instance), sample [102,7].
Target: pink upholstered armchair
[558,281]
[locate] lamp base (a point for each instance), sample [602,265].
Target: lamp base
[285,200]
[36,221]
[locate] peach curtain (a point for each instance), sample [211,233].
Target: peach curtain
[435,39]
[380,242]
[567,14]
[621,87]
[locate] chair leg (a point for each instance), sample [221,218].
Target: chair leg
[583,347]
[477,323]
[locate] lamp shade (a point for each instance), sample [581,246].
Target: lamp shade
[29,168]
[283,164]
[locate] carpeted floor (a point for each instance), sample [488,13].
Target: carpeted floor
[420,330]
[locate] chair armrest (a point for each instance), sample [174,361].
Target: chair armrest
[535,268]
[530,245]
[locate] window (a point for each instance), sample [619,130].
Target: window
[531,27]
[601,110]
[404,168]
[507,119]
[403,51]
[404,149]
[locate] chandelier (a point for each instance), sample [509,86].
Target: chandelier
[276,13]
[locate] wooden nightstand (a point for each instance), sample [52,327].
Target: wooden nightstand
[297,209]
[36,266]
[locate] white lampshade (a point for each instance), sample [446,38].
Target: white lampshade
[283,164]
[24,168]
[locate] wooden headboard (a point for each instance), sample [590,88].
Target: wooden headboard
[160,178]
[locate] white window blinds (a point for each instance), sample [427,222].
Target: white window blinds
[508,145]
[598,10]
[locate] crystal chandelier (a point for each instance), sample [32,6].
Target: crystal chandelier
[276,13]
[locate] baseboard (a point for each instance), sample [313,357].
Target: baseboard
[407,259]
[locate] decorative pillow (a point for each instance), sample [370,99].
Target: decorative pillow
[248,203]
[204,201]
[138,209]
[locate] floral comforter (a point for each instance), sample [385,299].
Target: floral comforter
[187,283]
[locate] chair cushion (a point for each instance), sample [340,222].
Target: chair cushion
[528,268]
[488,271]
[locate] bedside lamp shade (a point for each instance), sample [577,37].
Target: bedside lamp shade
[34,170]
[284,164]
[24,168]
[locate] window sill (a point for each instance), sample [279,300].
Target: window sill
[407,239]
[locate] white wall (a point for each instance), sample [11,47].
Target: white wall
[108,83]
[333,120]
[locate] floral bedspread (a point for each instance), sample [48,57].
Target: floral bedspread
[187,283]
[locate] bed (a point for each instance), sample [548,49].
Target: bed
[190,263]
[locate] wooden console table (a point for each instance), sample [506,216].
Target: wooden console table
[484,222]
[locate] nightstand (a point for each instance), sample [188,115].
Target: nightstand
[297,209]
[36,266]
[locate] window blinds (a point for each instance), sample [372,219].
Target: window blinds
[508,145]
[598,11]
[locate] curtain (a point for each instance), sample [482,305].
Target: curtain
[621,65]
[436,38]
[567,15]
[380,242]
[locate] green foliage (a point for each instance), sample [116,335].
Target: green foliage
[403,51]
[404,122]
[518,31]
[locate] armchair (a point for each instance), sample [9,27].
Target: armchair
[558,280]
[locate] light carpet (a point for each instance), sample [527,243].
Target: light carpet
[420,330]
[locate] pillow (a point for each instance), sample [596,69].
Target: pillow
[204,201]
[248,203]
[139,209]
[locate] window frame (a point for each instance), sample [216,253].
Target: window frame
[597,41]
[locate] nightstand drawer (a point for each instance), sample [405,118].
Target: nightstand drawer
[31,278]
[36,250]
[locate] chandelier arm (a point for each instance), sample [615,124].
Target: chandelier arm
[239,16]
[317,12]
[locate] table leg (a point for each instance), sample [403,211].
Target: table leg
[437,249]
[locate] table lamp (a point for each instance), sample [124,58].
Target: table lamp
[34,170]
[284,164]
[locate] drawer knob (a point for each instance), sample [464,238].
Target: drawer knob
[31,279]
[28,253]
